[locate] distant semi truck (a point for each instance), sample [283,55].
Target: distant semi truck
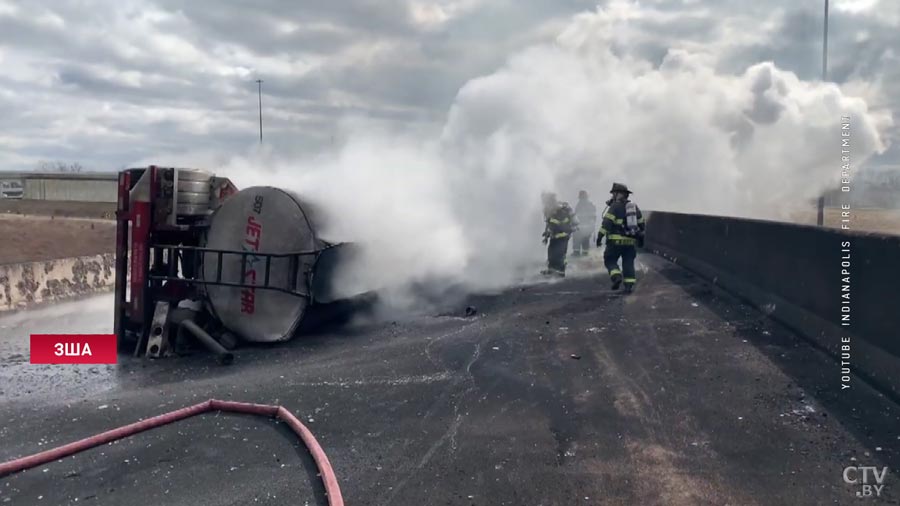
[11,189]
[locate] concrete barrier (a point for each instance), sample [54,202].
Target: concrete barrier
[26,284]
[793,273]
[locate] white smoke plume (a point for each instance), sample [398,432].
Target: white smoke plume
[579,113]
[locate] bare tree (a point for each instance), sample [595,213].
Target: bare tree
[58,166]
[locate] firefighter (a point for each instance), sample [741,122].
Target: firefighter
[560,224]
[623,227]
[586,212]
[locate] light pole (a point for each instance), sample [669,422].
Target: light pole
[259,86]
[825,45]
[820,215]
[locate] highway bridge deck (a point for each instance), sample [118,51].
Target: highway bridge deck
[554,393]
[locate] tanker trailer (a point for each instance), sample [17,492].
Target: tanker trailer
[197,258]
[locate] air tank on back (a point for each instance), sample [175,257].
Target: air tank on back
[272,221]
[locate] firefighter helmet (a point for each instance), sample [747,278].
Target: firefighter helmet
[620,188]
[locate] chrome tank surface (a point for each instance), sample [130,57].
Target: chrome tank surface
[260,219]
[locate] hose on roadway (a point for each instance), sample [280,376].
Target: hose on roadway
[332,489]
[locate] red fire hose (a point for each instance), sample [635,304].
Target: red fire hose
[328,478]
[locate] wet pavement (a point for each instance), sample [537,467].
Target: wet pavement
[555,393]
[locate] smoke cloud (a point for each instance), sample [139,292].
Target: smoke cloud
[463,204]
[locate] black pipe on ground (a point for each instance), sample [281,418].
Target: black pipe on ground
[223,356]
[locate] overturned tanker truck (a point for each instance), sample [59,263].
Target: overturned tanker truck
[198,261]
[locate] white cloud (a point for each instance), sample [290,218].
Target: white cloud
[463,205]
[431,14]
[450,117]
[401,61]
[855,6]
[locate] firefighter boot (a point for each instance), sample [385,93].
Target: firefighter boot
[616,280]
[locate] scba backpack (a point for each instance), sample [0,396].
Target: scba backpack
[631,220]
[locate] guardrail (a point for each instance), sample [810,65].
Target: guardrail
[30,283]
[794,272]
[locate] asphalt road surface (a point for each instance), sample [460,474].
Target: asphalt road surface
[554,393]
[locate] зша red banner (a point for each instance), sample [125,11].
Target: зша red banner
[73,348]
